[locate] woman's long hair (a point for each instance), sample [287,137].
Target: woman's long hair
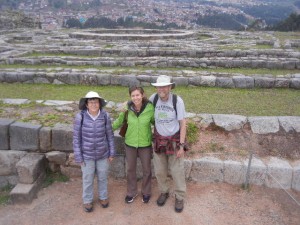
[141,90]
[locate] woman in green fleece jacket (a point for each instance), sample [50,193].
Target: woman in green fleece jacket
[138,142]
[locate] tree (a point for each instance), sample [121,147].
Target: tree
[292,23]
[73,23]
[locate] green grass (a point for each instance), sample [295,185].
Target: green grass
[52,177]
[192,132]
[125,70]
[248,102]
[4,194]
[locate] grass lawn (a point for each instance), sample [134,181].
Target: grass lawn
[248,102]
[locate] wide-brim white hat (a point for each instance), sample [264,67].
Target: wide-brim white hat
[91,94]
[162,81]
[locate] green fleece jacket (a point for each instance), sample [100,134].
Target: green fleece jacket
[139,133]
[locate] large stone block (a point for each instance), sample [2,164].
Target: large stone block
[290,123]
[119,143]
[103,79]
[229,122]
[296,176]
[62,137]
[264,82]
[264,125]
[8,180]
[206,120]
[234,172]
[282,83]
[224,82]
[8,161]
[295,83]
[209,81]
[243,82]
[207,169]
[45,139]
[57,157]
[4,133]
[180,81]
[129,80]
[30,167]
[24,136]
[279,174]
[196,81]
[117,167]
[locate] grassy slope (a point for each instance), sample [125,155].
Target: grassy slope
[248,102]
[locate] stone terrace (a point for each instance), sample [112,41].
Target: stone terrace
[66,52]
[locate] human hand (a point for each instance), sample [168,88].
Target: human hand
[110,159]
[180,153]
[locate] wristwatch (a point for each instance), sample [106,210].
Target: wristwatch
[181,144]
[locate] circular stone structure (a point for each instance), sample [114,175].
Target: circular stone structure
[132,34]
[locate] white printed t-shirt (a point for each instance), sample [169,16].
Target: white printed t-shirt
[166,122]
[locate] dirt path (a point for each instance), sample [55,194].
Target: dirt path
[208,204]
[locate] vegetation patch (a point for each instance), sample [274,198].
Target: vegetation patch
[4,194]
[192,132]
[52,177]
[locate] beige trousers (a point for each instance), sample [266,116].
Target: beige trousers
[162,163]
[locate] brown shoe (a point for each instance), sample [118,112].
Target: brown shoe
[178,205]
[162,199]
[104,203]
[88,207]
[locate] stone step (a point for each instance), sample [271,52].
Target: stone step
[30,167]
[25,193]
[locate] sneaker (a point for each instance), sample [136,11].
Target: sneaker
[104,203]
[129,199]
[88,207]
[146,198]
[162,199]
[178,205]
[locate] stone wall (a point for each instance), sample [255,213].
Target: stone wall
[22,144]
[97,77]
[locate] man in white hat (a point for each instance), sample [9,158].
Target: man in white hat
[169,145]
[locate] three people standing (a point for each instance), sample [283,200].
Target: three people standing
[94,148]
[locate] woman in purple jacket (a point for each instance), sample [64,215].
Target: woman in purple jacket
[93,145]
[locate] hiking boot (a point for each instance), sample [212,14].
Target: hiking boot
[162,199]
[129,199]
[104,203]
[88,207]
[146,198]
[178,205]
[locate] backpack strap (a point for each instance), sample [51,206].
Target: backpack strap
[155,100]
[174,101]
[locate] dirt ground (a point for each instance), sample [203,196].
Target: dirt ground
[207,204]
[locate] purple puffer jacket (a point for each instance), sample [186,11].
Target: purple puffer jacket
[97,139]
